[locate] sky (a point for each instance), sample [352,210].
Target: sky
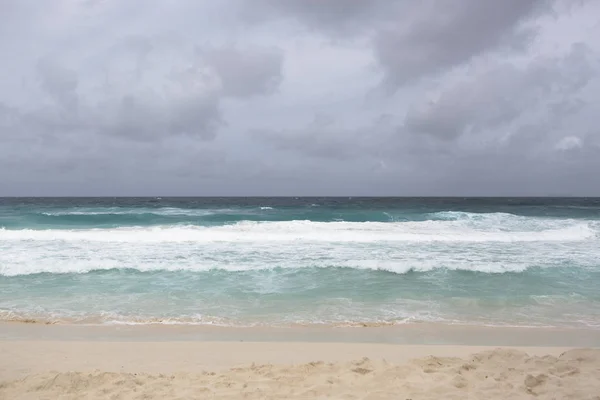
[299,97]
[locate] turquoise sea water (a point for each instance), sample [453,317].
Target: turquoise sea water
[282,261]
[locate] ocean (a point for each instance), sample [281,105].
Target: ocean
[528,262]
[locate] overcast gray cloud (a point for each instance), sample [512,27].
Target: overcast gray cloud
[348,17]
[500,95]
[254,71]
[273,97]
[441,34]
[414,39]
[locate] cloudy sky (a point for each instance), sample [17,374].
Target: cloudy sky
[300,97]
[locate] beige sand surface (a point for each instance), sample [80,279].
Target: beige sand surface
[276,370]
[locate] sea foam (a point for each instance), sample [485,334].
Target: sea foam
[493,244]
[361,232]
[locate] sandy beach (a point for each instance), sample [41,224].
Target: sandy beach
[110,368]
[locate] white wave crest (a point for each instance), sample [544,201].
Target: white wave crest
[463,215]
[398,247]
[361,232]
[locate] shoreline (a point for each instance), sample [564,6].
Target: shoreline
[404,334]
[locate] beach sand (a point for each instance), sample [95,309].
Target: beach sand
[103,369]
